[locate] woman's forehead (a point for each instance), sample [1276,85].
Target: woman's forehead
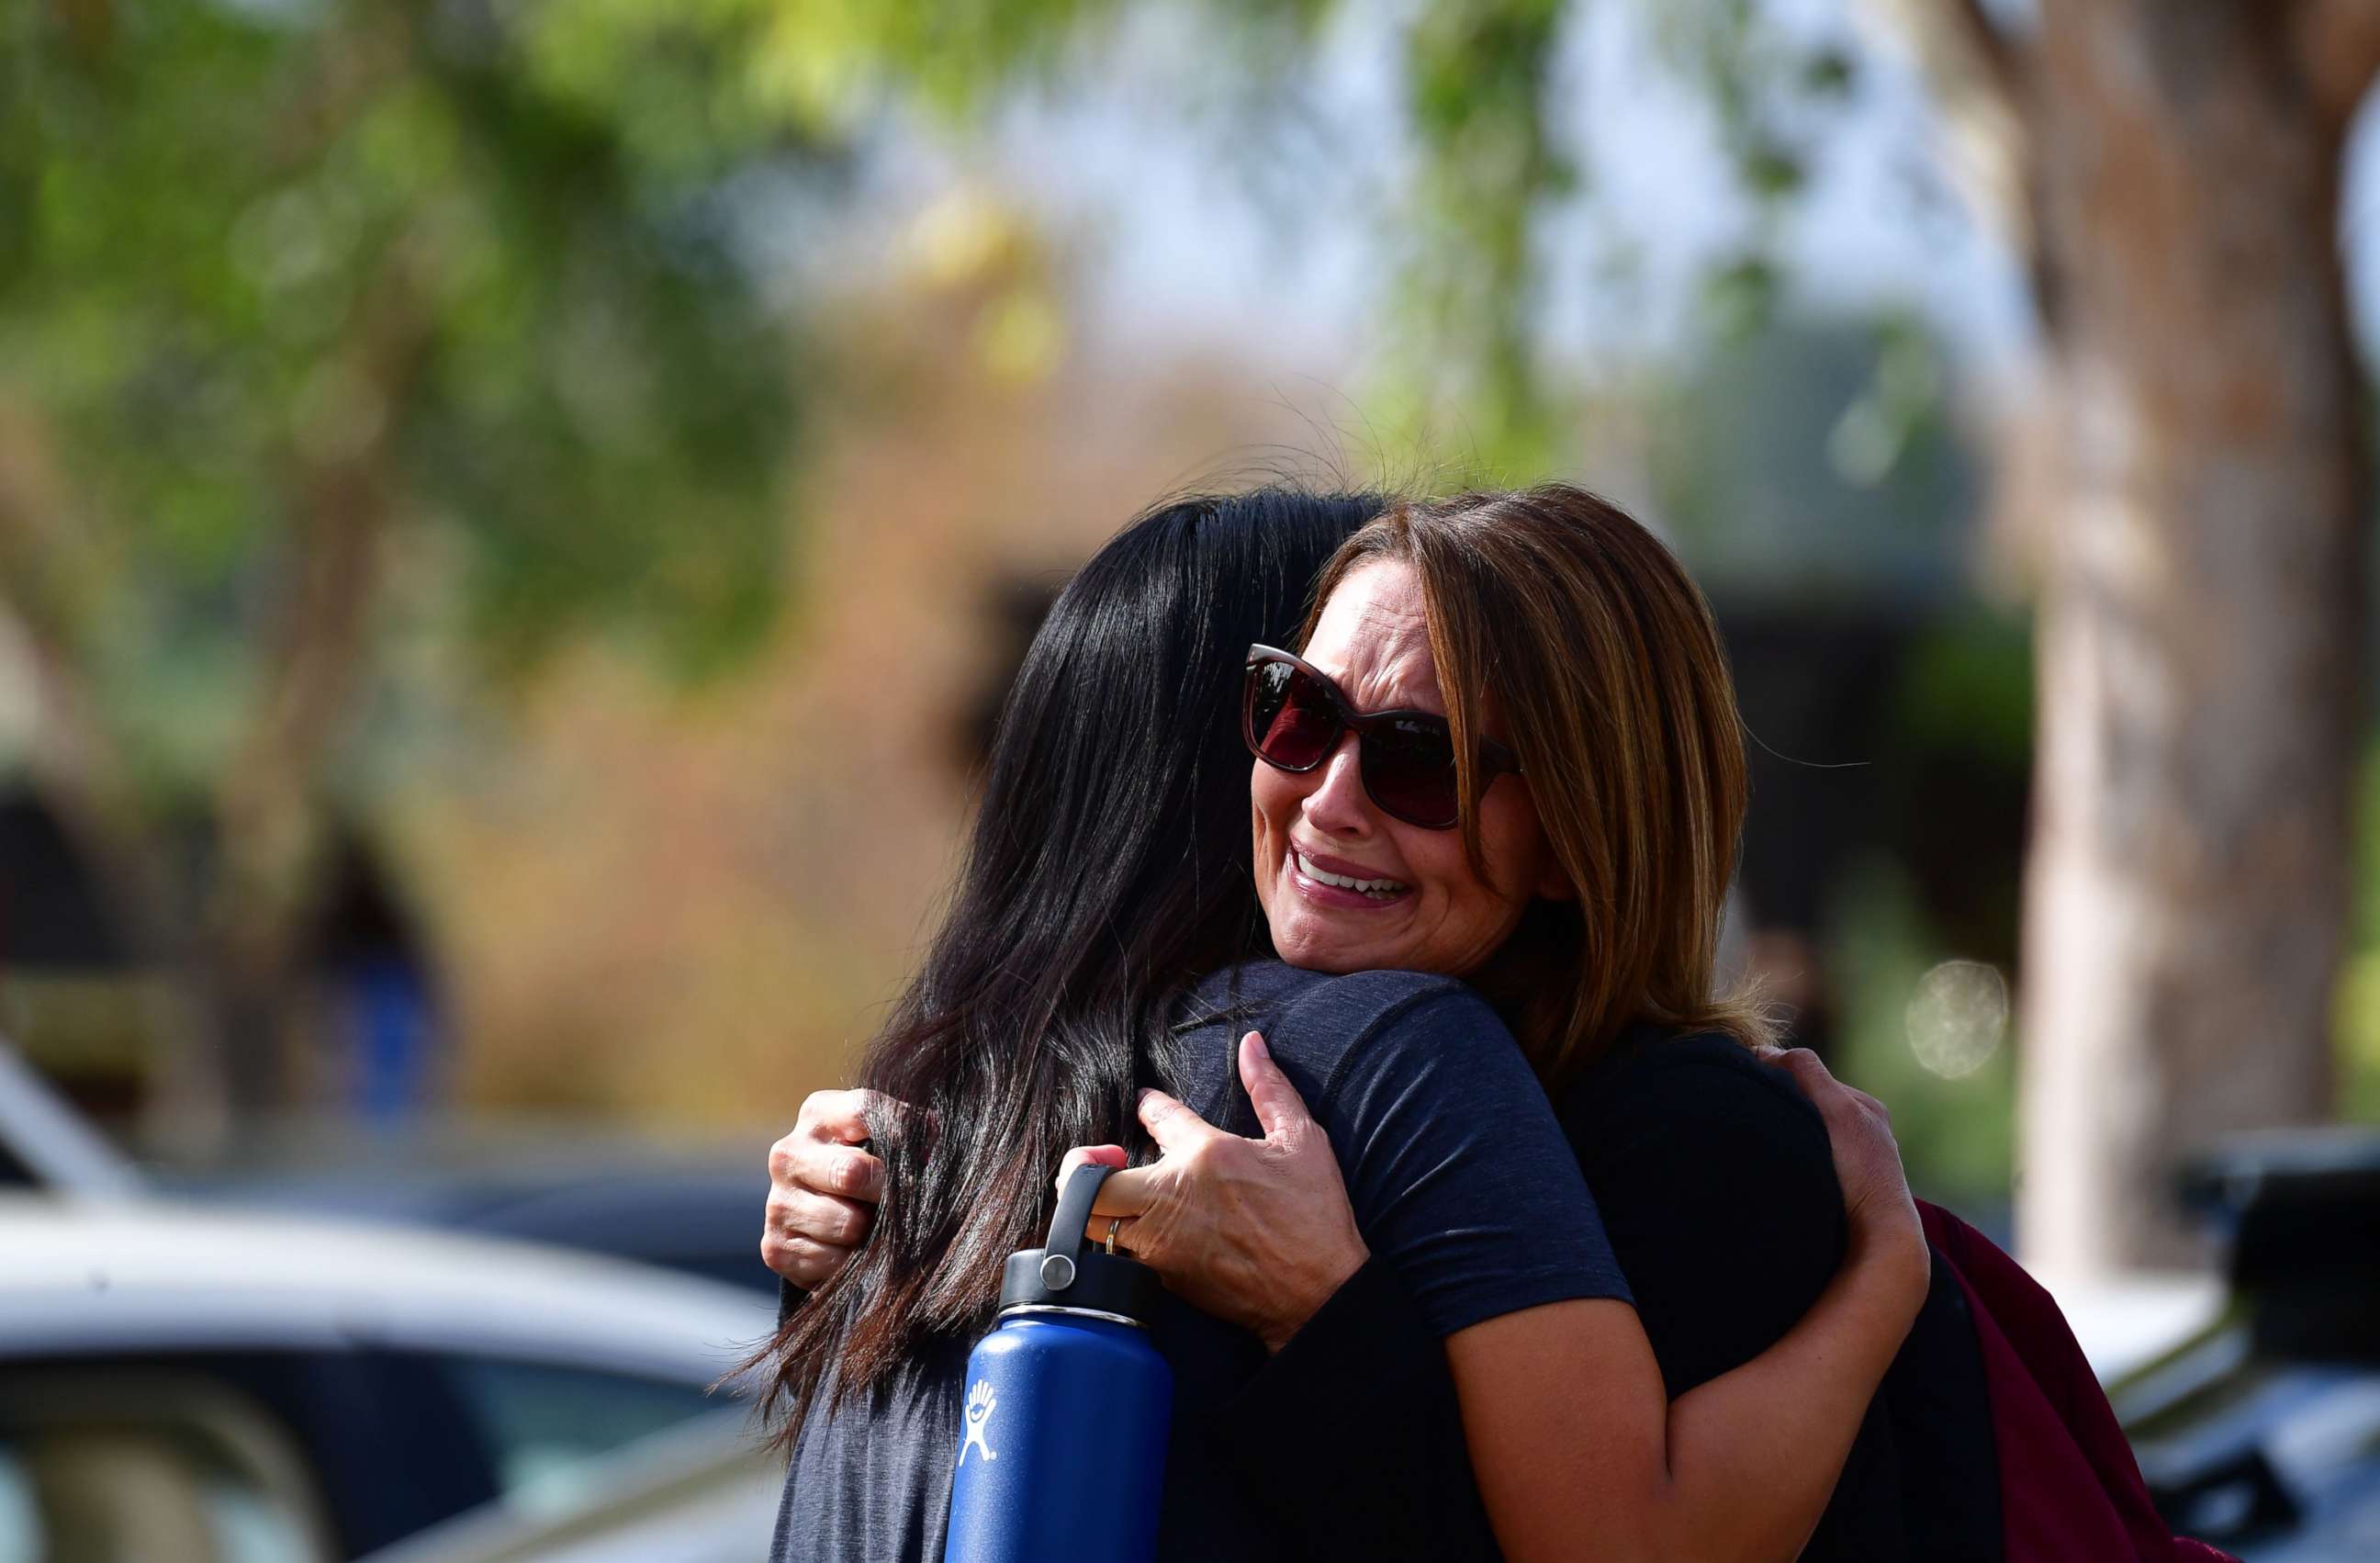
[1373,639]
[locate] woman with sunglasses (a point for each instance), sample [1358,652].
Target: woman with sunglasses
[1109,872]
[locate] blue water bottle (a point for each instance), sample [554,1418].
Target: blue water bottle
[1061,1452]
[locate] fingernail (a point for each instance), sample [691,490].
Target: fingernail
[1256,1045]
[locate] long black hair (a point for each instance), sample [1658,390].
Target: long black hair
[1109,871]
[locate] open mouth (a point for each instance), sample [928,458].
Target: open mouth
[1375,890]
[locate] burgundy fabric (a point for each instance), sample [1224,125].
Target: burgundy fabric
[2070,1491]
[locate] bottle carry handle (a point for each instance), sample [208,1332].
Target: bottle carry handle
[1064,1245]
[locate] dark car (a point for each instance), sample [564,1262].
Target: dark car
[2262,1433]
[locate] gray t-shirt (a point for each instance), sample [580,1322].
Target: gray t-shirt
[1461,1180]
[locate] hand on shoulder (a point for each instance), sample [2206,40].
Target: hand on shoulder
[1867,1162]
[1257,1232]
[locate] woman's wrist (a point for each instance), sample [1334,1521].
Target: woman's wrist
[1888,1248]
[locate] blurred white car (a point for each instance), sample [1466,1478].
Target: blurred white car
[704,1492]
[182,1384]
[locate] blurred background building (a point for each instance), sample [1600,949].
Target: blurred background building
[514,519]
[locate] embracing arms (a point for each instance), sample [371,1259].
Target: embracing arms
[1578,1451]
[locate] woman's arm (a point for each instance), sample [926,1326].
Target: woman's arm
[1740,1467]
[1577,1451]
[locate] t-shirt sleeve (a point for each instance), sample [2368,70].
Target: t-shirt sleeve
[1459,1172]
[1719,1195]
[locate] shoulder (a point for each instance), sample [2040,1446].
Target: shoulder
[1667,1105]
[1324,1022]
[1718,1190]
[1379,1001]
[1705,1084]
[1371,996]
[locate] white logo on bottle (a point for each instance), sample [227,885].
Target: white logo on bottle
[980,1402]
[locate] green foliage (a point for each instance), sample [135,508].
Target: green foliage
[1482,96]
[271,271]
[1768,94]
[1478,89]
[756,63]
[827,66]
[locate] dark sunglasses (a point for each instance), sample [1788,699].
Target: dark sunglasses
[1294,716]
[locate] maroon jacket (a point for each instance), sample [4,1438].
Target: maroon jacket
[2070,1487]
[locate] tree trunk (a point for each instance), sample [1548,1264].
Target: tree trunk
[273,831]
[54,581]
[2188,880]
[272,825]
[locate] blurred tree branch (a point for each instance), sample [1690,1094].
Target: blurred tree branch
[2004,59]
[53,585]
[268,803]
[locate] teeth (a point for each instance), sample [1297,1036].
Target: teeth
[1369,887]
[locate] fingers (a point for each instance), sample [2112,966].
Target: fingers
[1280,1110]
[822,1154]
[807,1263]
[1129,1192]
[1171,1125]
[1859,1132]
[841,1115]
[1817,1082]
[845,1171]
[1101,1155]
[823,1187]
[1809,1072]
[1109,1230]
[822,1218]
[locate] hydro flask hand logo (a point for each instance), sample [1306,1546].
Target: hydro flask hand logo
[980,1402]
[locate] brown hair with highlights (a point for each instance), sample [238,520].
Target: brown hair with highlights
[1560,618]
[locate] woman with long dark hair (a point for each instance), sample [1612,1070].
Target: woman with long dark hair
[1107,884]
[1103,877]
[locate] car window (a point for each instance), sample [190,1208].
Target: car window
[127,1468]
[545,1426]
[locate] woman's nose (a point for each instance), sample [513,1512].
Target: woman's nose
[1338,804]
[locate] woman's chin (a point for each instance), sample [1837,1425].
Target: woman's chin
[1308,943]
[1325,963]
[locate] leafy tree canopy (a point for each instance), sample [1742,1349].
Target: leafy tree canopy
[274,272]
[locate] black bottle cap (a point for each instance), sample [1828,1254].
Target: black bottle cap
[1067,1273]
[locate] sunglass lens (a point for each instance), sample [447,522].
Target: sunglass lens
[1409,771]
[1289,722]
